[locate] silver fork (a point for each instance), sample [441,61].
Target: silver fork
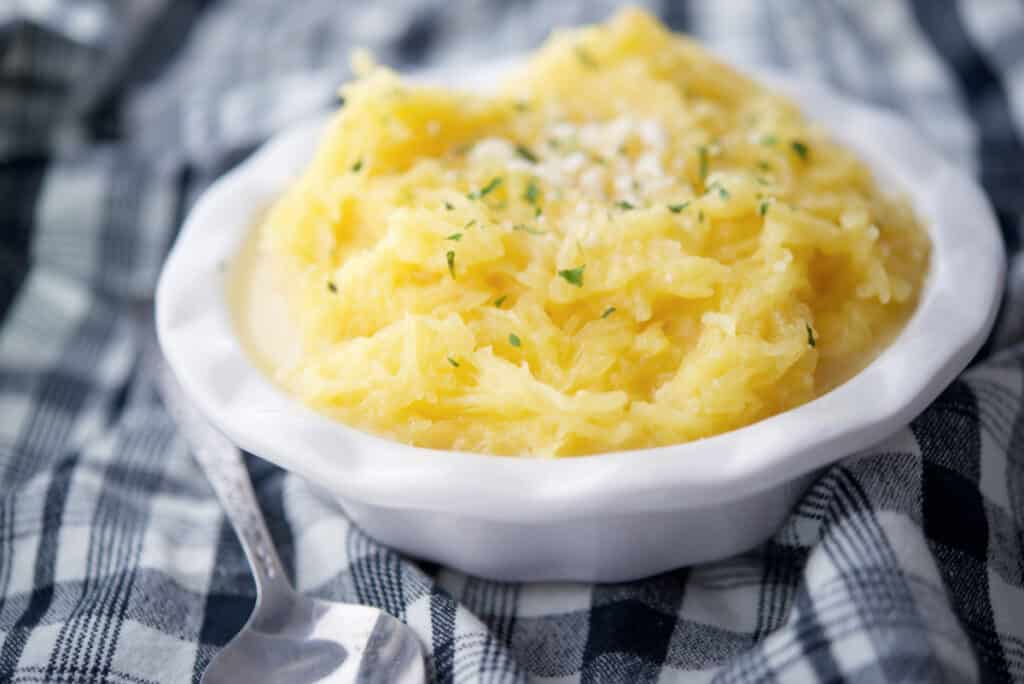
[289,637]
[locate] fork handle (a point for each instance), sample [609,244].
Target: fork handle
[222,462]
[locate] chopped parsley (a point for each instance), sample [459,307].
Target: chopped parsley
[453,362]
[608,312]
[332,287]
[500,300]
[702,153]
[624,205]
[454,237]
[801,149]
[524,152]
[762,208]
[448,206]
[523,228]
[486,190]
[450,257]
[764,166]
[537,212]
[532,193]
[470,223]
[676,208]
[700,216]
[586,59]
[722,192]
[573,276]
[514,340]
[769,140]
[811,342]
[358,166]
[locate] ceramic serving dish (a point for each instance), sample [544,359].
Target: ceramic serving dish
[609,517]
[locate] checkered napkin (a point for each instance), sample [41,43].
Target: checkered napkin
[116,563]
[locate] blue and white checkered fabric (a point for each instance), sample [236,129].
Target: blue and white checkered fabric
[116,564]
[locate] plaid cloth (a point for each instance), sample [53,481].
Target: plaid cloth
[116,563]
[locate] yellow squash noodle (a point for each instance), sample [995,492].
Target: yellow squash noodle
[627,245]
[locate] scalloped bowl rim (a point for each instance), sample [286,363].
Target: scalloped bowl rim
[952,319]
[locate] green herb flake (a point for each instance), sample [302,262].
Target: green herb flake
[769,140]
[573,276]
[523,228]
[514,340]
[450,257]
[811,342]
[585,58]
[676,208]
[455,237]
[358,166]
[624,205]
[801,149]
[522,106]
[499,301]
[762,208]
[608,312]
[700,216]
[764,166]
[761,180]
[469,224]
[455,364]
[486,190]
[702,154]
[532,193]
[537,212]
[723,193]
[448,206]
[332,287]
[524,152]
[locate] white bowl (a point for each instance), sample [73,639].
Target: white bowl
[608,517]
